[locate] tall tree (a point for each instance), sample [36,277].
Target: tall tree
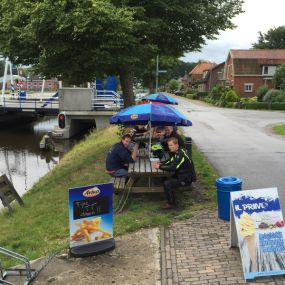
[279,77]
[273,39]
[81,39]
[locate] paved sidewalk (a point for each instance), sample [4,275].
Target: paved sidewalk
[196,252]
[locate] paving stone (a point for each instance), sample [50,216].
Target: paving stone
[198,252]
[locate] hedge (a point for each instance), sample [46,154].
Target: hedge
[263,106]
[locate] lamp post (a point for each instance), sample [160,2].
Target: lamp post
[156,81]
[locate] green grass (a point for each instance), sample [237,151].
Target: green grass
[42,226]
[279,129]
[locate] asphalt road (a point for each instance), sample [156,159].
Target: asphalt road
[239,143]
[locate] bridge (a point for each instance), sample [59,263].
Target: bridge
[73,106]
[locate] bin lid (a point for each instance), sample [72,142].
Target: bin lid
[228,180]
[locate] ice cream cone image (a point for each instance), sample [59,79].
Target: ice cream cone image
[251,248]
[247,231]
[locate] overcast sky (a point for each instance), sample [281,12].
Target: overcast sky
[259,15]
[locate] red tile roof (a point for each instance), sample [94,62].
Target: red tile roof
[200,67]
[258,53]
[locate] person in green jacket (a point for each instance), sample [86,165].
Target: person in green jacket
[182,165]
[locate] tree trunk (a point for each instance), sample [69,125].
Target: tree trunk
[127,80]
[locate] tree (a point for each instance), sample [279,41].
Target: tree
[81,39]
[273,39]
[173,85]
[279,77]
[2,68]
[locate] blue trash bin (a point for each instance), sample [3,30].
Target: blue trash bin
[225,185]
[22,95]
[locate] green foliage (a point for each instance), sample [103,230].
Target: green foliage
[261,91]
[254,105]
[216,92]
[173,85]
[278,106]
[2,68]
[279,77]
[82,39]
[272,96]
[273,39]
[279,129]
[228,97]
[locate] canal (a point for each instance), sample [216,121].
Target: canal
[21,158]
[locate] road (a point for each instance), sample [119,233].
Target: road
[239,143]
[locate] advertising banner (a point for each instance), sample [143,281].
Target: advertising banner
[260,230]
[90,214]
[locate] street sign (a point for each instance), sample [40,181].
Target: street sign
[162,71]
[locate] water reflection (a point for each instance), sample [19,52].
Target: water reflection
[21,158]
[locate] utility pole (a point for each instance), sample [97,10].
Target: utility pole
[156,82]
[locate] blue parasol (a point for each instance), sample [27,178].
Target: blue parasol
[155,114]
[160,97]
[151,114]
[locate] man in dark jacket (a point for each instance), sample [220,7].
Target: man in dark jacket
[119,157]
[181,164]
[170,132]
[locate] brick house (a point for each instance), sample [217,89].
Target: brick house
[198,75]
[248,69]
[213,77]
[34,83]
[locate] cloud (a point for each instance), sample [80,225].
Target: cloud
[259,15]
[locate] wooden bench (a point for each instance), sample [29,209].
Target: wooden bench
[118,183]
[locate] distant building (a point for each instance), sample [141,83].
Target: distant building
[34,83]
[248,69]
[198,75]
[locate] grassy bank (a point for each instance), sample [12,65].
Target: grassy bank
[41,227]
[279,129]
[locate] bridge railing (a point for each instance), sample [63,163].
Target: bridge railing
[107,100]
[29,102]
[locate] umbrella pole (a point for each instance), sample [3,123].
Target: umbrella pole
[149,146]
[149,150]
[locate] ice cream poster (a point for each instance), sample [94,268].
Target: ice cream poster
[90,214]
[260,231]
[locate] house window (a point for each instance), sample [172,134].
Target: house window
[248,87]
[268,70]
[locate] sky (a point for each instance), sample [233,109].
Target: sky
[259,15]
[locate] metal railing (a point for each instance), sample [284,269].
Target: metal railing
[107,100]
[29,103]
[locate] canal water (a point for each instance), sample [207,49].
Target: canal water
[21,158]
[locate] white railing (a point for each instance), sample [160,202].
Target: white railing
[107,100]
[29,102]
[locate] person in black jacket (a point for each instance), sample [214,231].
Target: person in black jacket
[181,164]
[170,132]
[119,157]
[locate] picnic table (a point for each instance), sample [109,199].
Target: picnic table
[143,177]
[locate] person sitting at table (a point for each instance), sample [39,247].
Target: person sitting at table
[140,129]
[158,132]
[119,157]
[181,164]
[170,132]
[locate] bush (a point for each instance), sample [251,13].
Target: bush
[271,96]
[201,95]
[261,91]
[173,85]
[254,105]
[278,106]
[217,92]
[229,96]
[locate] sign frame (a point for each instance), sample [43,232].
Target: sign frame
[258,228]
[91,220]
